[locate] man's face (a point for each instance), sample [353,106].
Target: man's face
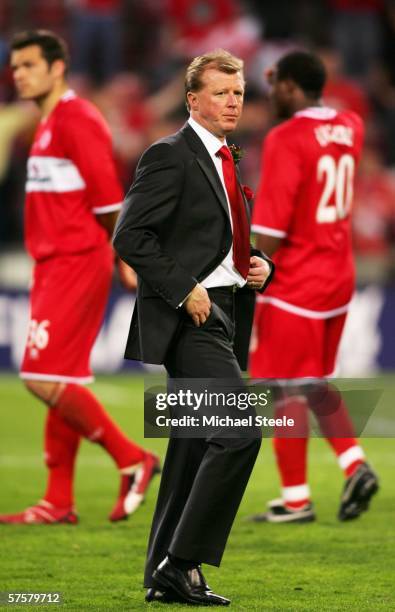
[218,104]
[280,94]
[33,77]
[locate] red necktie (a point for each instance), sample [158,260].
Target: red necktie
[241,232]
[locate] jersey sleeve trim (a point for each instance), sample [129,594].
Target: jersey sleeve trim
[269,231]
[101,210]
[303,312]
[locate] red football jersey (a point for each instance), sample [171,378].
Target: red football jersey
[71,177]
[305,197]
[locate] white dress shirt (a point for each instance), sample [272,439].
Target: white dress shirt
[225,274]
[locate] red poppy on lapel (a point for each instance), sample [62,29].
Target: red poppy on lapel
[249,194]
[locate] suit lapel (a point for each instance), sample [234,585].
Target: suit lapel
[212,176]
[206,164]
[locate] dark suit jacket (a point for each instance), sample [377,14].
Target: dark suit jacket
[174,230]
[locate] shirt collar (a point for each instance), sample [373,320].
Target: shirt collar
[211,142]
[317,112]
[68,95]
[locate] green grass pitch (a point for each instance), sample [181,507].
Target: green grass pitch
[324,566]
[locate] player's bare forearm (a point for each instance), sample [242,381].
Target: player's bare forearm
[268,244]
[127,276]
[108,221]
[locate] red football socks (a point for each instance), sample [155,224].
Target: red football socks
[61,446]
[80,409]
[291,452]
[331,413]
[336,426]
[291,456]
[349,454]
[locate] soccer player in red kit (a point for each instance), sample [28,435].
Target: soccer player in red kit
[72,200]
[302,217]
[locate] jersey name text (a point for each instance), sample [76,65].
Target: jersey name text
[339,134]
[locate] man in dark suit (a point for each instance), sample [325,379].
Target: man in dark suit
[185,230]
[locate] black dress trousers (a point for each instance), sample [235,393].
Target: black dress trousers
[203,479]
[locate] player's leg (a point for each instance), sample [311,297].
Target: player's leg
[80,411]
[361,482]
[83,412]
[60,448]
[329,407]
[275,329]
[77,409]
[290,449]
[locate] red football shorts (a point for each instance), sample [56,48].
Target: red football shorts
[285,345]
[67,305]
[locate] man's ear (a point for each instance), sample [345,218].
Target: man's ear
[290,86]
[192,100]
[58,68]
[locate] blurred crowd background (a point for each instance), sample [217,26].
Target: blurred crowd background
[129,57]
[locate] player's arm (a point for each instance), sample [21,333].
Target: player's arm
[91,150]
[268,244]
[87,141]
[127,275]
[280,179]
[108,221]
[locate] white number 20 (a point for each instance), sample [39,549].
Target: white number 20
[336,199]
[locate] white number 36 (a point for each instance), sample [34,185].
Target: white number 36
[38,335]
[337,195]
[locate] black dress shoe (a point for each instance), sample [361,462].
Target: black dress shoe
[201,578]
[189,585]
[168,596]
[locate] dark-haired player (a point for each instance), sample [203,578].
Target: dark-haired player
[72,201]
[302,214]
